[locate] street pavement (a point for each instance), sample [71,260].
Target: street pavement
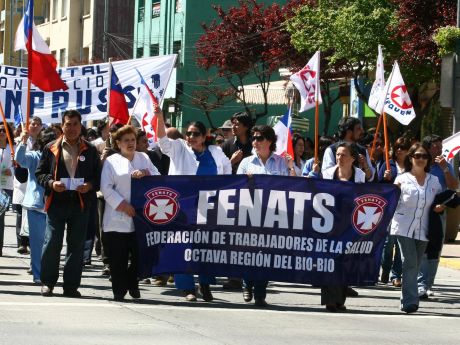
[162,316]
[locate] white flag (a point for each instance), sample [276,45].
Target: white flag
[395,99]
[450,146]
[307,82]
[379,83]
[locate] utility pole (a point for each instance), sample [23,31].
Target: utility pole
[106,29]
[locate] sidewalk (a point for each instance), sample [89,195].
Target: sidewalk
[451,254]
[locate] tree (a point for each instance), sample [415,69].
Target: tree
[347,33]
[239,48]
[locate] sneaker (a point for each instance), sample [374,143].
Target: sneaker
[422,293]
[430,292]
[247,294]
[46,291]
[105,271]
[145,281]
[171,280]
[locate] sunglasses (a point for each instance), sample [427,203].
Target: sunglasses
[192,134]
[258,138]
[420,156]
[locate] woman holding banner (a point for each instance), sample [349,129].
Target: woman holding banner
[334,296]
[120,238]
[6,171]
[192,156]
[410,221]
[263,161]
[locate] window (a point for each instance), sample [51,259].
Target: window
[46,11]
[140,52]
[141,11]
[154,50]
[64,8]
[55,10]
[156,9]
[87,7]
[177,49]
[62,57]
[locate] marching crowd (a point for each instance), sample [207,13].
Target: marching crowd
[73,179]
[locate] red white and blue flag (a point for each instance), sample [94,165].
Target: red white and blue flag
[283,132]
[41,63]
[144,110]
[118,107]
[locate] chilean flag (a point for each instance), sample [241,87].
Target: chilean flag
[283,132]
[118,108]
[41,63]
[144,109]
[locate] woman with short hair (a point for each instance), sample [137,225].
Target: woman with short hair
[264,161]
[118,226]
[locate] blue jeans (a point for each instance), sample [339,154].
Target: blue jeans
[37,226]
[412,252]
[391,264]
[429,267]
[186,281]
[259,287]
[60,215]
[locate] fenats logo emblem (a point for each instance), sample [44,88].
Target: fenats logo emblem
[161,206]
[368,213]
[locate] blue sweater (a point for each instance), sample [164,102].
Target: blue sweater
[33,198]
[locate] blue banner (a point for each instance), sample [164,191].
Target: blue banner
[277,228]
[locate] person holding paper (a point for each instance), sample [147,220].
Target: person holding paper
[33,198]
[69,157]
[118,225]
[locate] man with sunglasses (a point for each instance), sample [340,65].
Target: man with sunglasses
[444,171]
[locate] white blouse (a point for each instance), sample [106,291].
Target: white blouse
[116,187]
[412,213]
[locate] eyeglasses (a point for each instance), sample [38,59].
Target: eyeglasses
[258,138]
[420,156]
[192,134]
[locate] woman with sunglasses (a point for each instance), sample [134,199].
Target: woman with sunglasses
[6,173]
[391,256]
[265,162]
[410,221]
[192,156]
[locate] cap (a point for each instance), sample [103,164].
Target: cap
[227,125]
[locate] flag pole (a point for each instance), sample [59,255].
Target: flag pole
[5,124]
[317,111]
[109,87]
[379,123]
[385,134]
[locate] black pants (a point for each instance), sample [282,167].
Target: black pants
[333,295]
[23,241]
[123,255]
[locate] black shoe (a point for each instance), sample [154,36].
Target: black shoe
[71,293]
[46,291]
[352,292]
[411,308]
[118,298]
[135,293]
[332,308]
[247,294]
[87,262]
[206,292]
[23,250]
[385,277]
[260,302]
[232,284]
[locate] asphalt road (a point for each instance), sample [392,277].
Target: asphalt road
[162,316]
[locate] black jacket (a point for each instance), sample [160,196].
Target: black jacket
[435,233]
[52,168]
